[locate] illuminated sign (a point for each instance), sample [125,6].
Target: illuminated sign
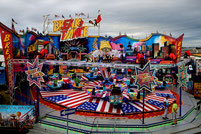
[70,28]
[182,75]
[31,48]
[34,74]
[145,77]
[7,46]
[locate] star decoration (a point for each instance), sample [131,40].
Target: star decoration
[182,75]
[34,74]
[145,77]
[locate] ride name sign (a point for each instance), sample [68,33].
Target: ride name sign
[146,77]
[67,112]
[70,28]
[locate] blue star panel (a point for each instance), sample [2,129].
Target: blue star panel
[164,95]
[88,106]
[34,74]
[128,108]
[156,103]
[57,98]
[139,81]
[182,75]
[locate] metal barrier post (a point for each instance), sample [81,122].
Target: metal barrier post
[143,106]
[180,100]
[67,124]
[37,95]
[97,126]
[115,123]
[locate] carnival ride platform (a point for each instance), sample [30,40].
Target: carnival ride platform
[99,106]
[188,121]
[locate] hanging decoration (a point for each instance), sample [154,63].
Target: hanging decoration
[145,77]
[97,20]
[34,74]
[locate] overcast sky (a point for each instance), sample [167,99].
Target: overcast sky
[136,18]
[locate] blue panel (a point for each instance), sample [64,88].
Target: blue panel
[88,106]
[56,41]
[128,108]
[57,98]
[164,95]
[89,45]
[2,76]
[156,103]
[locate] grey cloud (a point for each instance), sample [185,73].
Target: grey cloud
[137,18]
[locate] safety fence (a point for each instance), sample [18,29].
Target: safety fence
[56,122]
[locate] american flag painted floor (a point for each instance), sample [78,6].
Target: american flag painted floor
[92,84]
[83,102]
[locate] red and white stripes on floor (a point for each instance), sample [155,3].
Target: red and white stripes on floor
[158,98]
[147,107]
[105,107]
[55,93]
[92,84]
[84,78]
[75,99]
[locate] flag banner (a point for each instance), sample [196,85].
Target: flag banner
[179,46]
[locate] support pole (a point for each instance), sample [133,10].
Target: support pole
[143,107]
[180,101]
[37,103]
[193,75]
[99,30]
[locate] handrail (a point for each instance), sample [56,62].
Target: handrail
[123,125]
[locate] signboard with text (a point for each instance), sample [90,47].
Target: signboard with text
[70,28]
[7,46]
[145,77]
[34,73]
[182,75]
[18,111]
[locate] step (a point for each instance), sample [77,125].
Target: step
[97,126]
[60,128]
[61,125]
[70,124]
[43,130]
[90,127]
